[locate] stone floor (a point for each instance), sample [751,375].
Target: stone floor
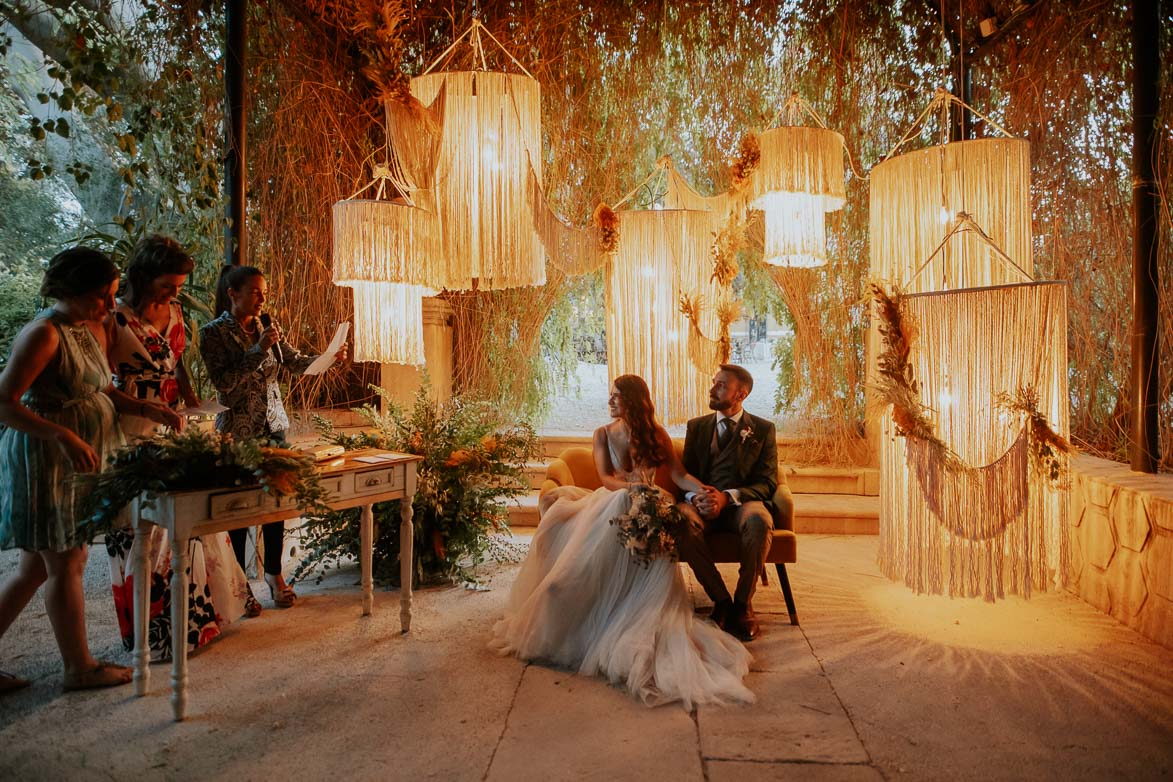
[875,684]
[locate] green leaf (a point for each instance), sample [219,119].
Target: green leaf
[62,128]
[42,97]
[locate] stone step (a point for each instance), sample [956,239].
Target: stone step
[814,514]
[833,480]
[536,472]
[836,514]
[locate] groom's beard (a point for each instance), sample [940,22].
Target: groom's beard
[720,405]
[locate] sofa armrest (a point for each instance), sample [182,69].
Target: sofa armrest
[783,507]
[557,474]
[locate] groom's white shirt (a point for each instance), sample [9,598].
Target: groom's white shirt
[736,419]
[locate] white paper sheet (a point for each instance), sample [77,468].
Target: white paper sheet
[207,407]
[382,457]
[326,360]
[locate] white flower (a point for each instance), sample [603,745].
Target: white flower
[746,433]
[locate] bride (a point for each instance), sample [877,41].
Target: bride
[582,601]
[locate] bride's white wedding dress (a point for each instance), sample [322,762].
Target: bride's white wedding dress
[582,602]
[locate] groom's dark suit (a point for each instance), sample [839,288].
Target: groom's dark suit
[747,465]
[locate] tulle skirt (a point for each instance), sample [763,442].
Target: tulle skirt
[582,602]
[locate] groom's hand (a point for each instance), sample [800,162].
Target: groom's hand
[718,499]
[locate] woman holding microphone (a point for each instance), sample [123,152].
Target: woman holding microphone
[242,350]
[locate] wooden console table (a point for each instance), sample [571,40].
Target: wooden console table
[188,514]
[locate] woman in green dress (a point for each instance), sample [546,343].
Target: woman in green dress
[57,407]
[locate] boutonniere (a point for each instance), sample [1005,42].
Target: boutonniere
[746,433]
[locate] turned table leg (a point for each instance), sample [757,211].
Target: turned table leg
[406,549]
[366,534]
[178,627]
[141,577]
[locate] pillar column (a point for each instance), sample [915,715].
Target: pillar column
[402,382]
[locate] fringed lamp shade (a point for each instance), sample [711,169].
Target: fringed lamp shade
[915,196]
[662,255]
[490,140]
[388,322]
[383,241]
[381,251]
[1000,527]
[800,178]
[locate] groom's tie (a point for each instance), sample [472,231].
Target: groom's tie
[724,433]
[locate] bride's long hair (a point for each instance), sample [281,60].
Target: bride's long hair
[640,416]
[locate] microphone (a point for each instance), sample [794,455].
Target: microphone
[267,322]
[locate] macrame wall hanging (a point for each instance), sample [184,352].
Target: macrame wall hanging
[972,382]
[663,255]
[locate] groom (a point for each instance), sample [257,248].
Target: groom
[736,455]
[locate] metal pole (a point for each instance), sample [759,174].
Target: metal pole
[1146,452]
[235,87]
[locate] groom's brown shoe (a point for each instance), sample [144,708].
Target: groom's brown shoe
[742,624]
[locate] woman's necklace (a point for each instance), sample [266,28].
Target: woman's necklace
[251,332]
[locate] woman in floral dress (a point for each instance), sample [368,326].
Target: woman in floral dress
[57,420]
[147,340]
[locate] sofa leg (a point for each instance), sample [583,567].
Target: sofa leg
[765,576]
[786,593]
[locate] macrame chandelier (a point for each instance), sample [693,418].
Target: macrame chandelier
[381,251]
[964,507]
[995,525]
[799,178]
[662,255]
[469,145]
[915,197]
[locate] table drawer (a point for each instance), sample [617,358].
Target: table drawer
[380,480]
[235,504]
[338,485]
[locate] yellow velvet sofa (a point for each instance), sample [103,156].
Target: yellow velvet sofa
[575,466]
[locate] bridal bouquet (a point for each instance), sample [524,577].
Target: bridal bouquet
[646,529]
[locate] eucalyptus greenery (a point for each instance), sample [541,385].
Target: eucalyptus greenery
[473,461]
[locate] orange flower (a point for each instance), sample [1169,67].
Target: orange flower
[282,482]
[489,443]
[416,443]
[458,458]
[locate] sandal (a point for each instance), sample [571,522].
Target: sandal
[11,683]
[105,674]
[283,597]
[252,606]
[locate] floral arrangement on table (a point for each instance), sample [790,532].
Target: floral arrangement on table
[193,459]
[647,530]
[473,461]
